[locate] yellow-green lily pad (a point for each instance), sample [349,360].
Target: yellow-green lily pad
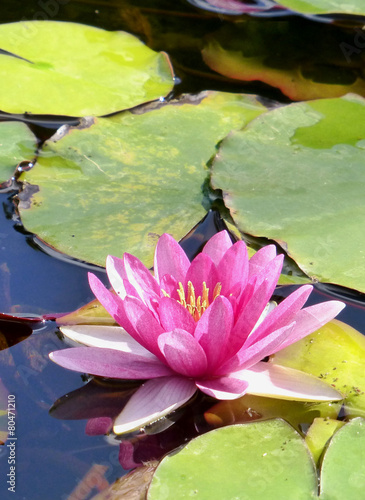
[119,183]
[336,354]
[350,7]
[296,175]
[71,69]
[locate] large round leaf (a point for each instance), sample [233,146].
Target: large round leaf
[263,460]
[72,69]
[296,175]
[17,143]
[119,184]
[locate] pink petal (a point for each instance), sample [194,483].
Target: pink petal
[116,275]
[283,314]
[110,337]
[170,286]
[213,330]
[145,327]
[261,258]
[174,315]
[153,400]
[217,246]
[142,280]
[110,363]
[310,319]
[202,269]
[256,304]
[274,381]
[183,353]
[249,356]
[112,303]
[171,259]
[233,268]
[223,387]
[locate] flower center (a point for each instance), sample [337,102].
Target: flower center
[196,305]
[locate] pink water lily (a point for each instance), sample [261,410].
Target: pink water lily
[202,325]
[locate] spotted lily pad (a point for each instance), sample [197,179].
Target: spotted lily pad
[302,60]
[71,69]
[260,460]
[336,354]
[17,143]
[296,175]
[119,183]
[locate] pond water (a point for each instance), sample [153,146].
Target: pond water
[55,458]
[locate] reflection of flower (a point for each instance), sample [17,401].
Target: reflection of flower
[205,324]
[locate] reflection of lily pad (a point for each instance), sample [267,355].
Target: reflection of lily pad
[263,460]
[72,69]
[335,353]
[296,175]
[17,143]
[117,185]
[303,60]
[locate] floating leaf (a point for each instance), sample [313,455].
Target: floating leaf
[319,433]
[296,175]
[119,184]
[260,460]
[72,69]
[355,7]
[17,143]
[303,60]
[336,354]
[343,466]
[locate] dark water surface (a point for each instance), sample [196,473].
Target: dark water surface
[52,455]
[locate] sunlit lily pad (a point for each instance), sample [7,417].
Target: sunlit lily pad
[355,7]
[73,69]
[17,143]
[343,466]
[336,354]
[263,460]
[119,184]
[319,433]
[304,61]
[296,175]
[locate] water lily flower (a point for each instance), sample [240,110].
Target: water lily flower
[205,324]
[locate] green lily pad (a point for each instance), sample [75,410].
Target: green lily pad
[296,175]
[17,143]
[118,184]
[336,354]
[319,433]
[354,7]
[73,69]
[260,460]
[304,61]
[343,466]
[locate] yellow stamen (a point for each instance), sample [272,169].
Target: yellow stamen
[196,305]
[165,293]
